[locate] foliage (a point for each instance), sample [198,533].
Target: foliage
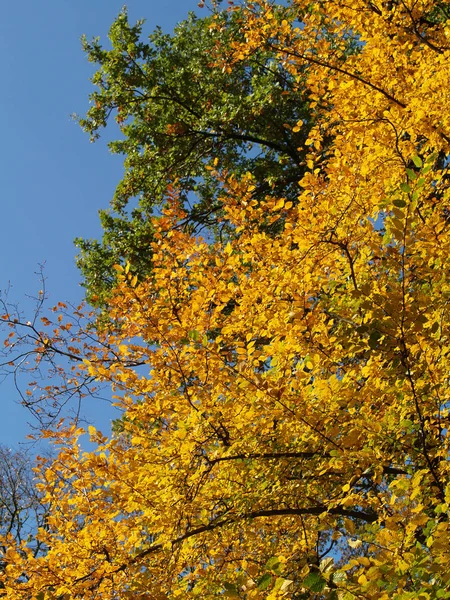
[285,390]
[181,108]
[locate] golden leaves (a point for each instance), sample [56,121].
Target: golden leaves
[286,386]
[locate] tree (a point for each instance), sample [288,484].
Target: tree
[181,109]
[284,390]
[22,511]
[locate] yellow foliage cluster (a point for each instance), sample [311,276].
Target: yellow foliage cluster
[284,432]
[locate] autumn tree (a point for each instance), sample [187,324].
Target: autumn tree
[284,389]
[181,106]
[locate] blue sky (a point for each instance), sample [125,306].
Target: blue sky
[53,181]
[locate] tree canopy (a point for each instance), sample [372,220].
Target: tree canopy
[182,106]
[284,386]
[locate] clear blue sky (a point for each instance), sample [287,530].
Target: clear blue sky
[53,181]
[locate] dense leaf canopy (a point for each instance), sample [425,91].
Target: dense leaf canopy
[182,106]
[284,386]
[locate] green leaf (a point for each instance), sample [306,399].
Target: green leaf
[399,203]
[405,188]
[420,182]
[273,564]
[417,161]
[230,590]
[264,581]
[315,582]
[373,339]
